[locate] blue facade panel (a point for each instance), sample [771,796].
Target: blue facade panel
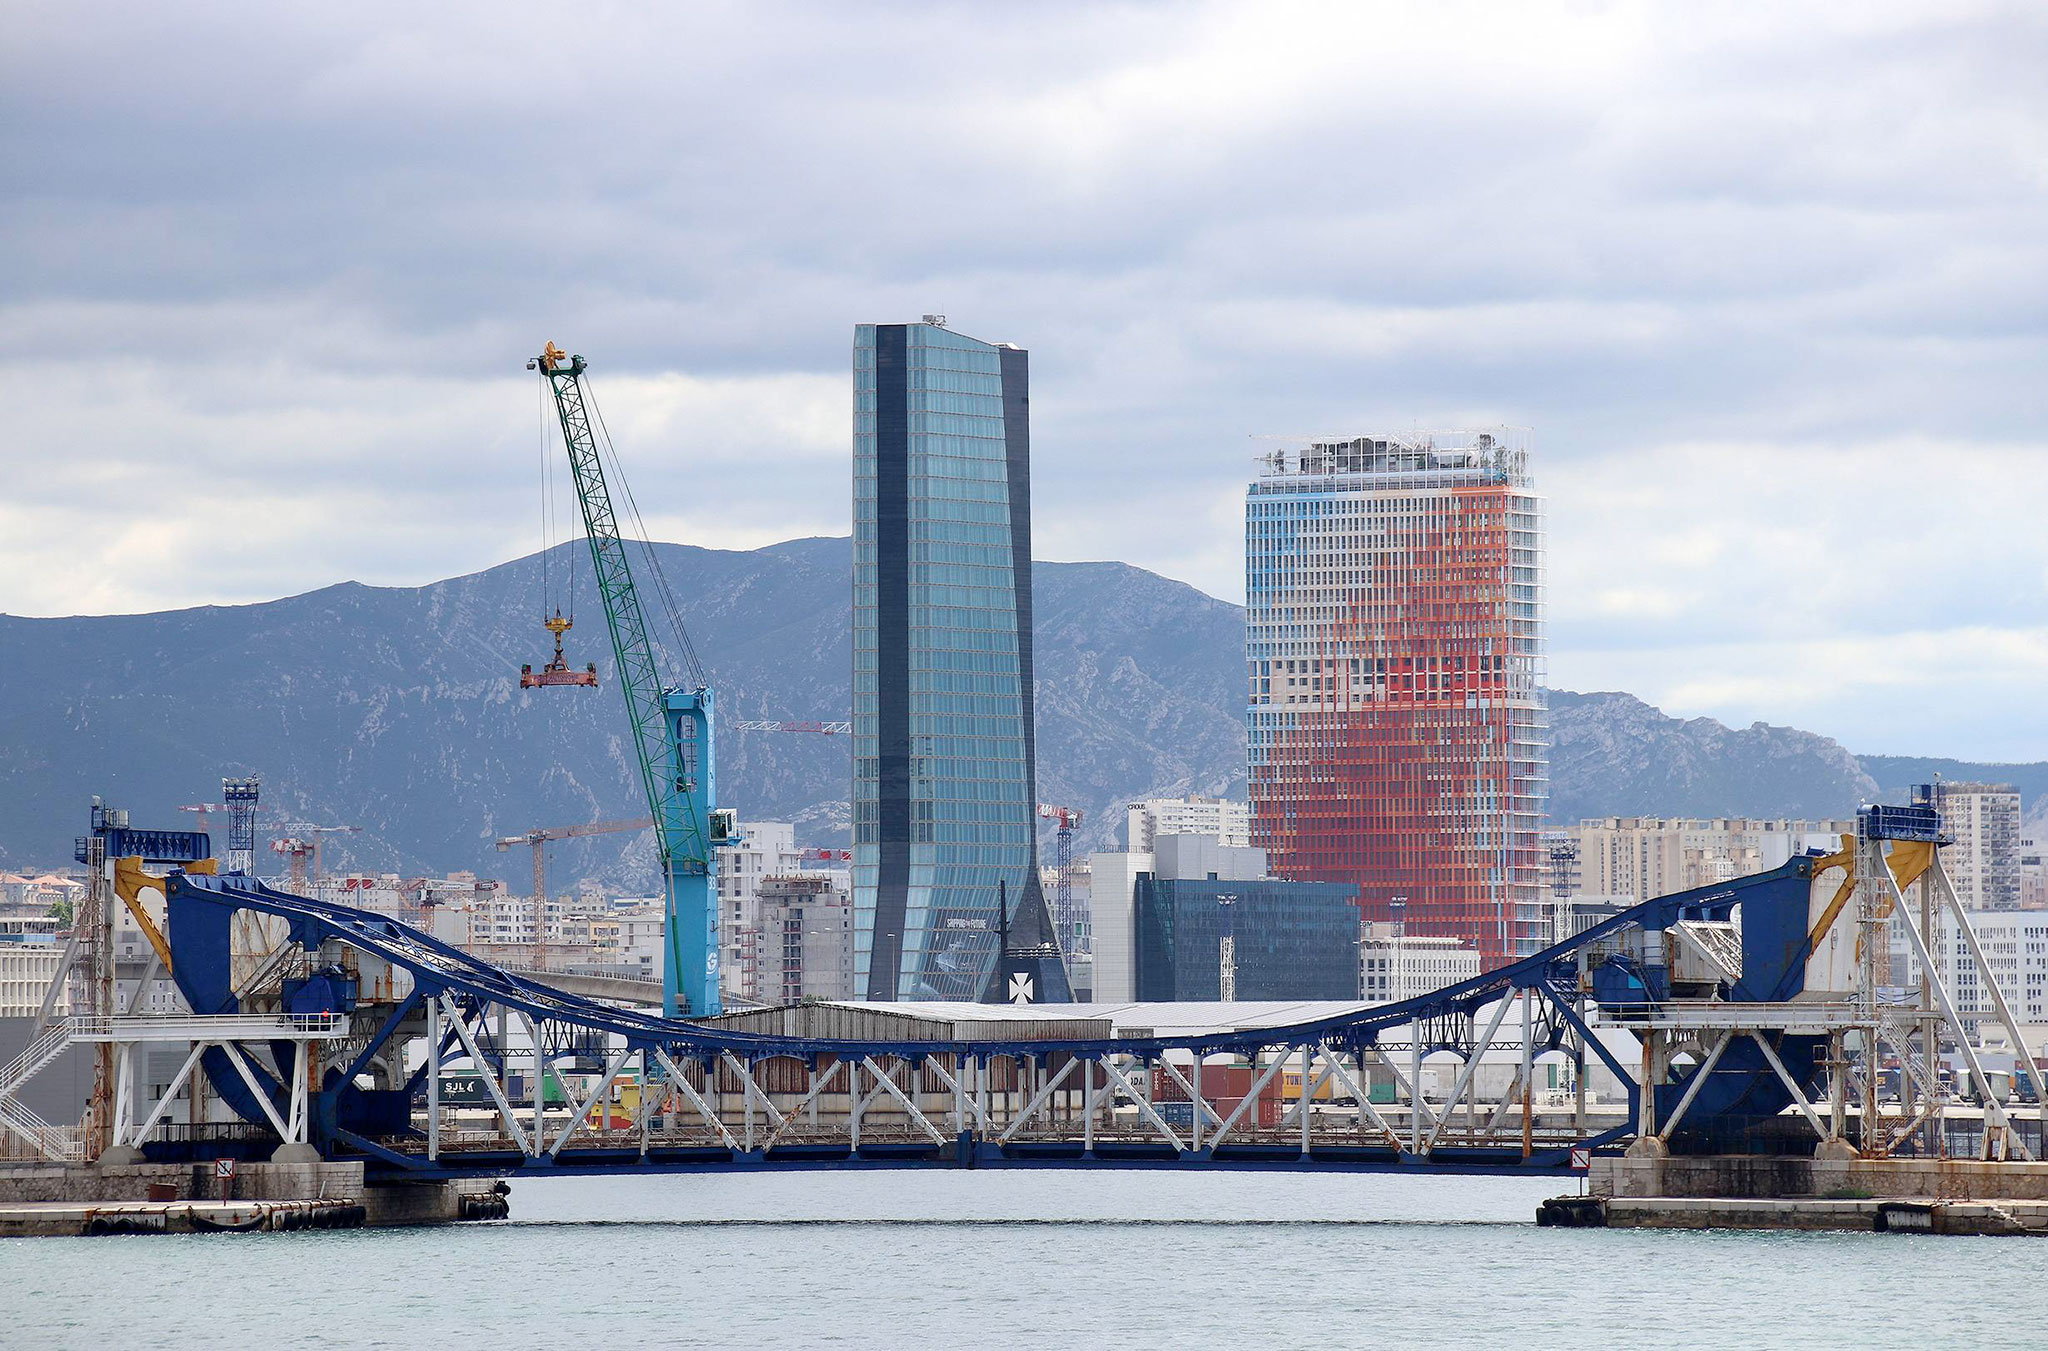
[1290,940]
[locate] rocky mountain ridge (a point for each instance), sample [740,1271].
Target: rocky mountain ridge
[397,709]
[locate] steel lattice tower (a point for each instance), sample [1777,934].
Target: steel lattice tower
[240,797]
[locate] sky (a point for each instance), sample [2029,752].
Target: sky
[1768,284]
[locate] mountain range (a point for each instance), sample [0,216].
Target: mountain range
[398,710]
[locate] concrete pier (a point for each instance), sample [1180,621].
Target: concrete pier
[170,1198]
[1924,1196]
[1767,1177]
[52,1219]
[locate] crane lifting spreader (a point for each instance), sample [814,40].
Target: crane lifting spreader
[557,672]
[670,725]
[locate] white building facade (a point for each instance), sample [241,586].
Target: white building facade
[1394,966]
[1211,834]
[1650,856]
[1228,823]
[2015,944]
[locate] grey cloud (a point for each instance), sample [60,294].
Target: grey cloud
[305,252]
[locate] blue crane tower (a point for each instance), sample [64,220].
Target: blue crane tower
[671,726]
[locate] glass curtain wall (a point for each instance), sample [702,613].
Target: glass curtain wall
[944,798]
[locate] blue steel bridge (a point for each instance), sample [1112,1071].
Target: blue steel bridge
[1741,1012]
[379,1013]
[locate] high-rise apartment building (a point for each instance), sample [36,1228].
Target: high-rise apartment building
[806,945]
[2033,876]
[1984,861]
[945,793]
[1648,856]
[1226,822]
[1395,719]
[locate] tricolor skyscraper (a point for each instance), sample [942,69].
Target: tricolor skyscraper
[944,792]
[1395,718]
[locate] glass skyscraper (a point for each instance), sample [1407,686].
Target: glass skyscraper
[944,791]
[1395,719]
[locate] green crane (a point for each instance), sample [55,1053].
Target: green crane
[670,725]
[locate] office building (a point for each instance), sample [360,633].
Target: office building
[1112,895]
[1984,861]
[1226,939]
[1395,721]
[26,971]
[945,793]
[1393,966]
[2015,944]
[1189,827]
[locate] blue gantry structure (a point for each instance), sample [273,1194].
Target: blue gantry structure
[1754,1015]
[386,1015]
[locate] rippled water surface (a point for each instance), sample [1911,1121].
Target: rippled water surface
[1024,1259]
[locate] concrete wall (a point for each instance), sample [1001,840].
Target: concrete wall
[423,1203]
[1766,1177]
[253,1181]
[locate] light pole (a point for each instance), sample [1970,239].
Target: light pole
[1397,910]
[1226,947]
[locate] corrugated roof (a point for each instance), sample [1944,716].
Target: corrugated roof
[1165,1020]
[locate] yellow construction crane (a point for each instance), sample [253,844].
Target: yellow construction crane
[539,840]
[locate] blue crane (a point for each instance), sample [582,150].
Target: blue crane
[670,726]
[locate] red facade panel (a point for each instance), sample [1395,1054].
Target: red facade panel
[1405,767]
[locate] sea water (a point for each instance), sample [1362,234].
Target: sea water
[1038,1258]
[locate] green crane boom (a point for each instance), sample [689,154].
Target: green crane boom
[670,727]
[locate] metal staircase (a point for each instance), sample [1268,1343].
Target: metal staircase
[60,1143]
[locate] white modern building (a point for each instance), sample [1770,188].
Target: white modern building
[26,970]
[1394,966]
[1112,889]
[1228,823]
[2015,944]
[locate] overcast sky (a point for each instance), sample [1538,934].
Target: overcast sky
[1766,281]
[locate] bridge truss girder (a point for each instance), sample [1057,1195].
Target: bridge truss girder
[707,1095]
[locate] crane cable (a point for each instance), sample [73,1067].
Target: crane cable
[551,530]
[547,487]
[662,590]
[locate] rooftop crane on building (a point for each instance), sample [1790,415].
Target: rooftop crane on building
[539,840]
[301,842]
[670,726]
[296,851]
